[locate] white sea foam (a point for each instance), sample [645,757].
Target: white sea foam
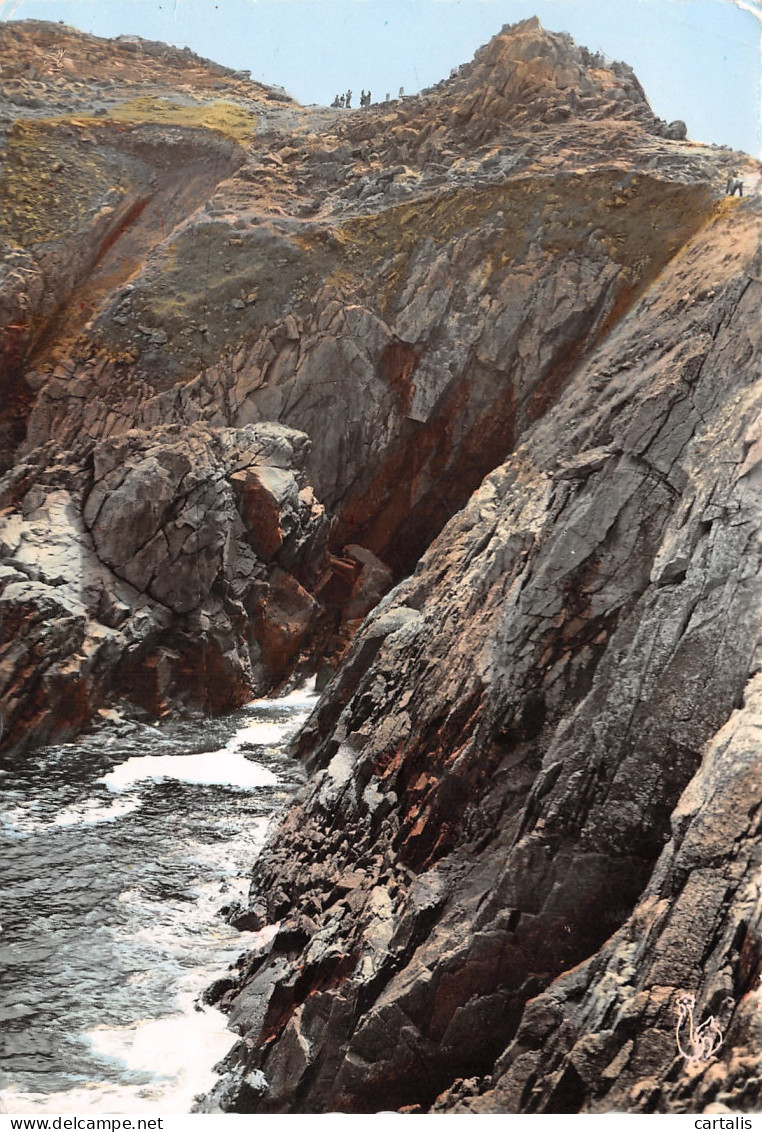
[302,698]
[212,768]
[93,812]
[173,1054]
[26,820]
[19,821]
[223,767]
[184,1046]
[259,735]
[177,1051]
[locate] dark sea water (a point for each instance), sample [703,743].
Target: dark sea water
[116,854]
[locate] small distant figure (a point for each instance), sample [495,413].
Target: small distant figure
[341,101]
[365,99]
[401,93]
[336,102]
[348,100]
[734,182]
[388,97]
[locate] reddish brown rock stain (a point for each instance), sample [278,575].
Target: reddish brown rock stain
[397,364]
[125,223]
[261,513]
[282,621]
[313,979]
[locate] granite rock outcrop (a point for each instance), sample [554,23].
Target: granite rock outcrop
[512,863]
[161,570]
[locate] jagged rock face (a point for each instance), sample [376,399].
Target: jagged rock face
[607,1029]
[499,763]
[45,64]
[524,842]
[414,394]
[164,568]
[103,143]
[77,223]
[524,78]
[230,258]
[410,286]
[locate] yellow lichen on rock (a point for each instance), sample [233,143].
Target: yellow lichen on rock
[226,118]
[53,184]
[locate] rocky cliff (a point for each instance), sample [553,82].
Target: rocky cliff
[259,360]
[534,818]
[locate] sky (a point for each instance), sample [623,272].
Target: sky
[698,60]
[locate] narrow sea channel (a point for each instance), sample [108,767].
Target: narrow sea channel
[117,853]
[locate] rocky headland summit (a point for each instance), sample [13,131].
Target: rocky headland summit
[456,401]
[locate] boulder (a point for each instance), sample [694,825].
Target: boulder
[136,569]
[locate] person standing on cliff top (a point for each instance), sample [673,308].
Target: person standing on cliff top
[734,182]
[348,100]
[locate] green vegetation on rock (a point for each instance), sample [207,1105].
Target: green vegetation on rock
[55,180]
[225,117]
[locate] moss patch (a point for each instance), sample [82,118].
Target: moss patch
[54,182]
[225,117]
